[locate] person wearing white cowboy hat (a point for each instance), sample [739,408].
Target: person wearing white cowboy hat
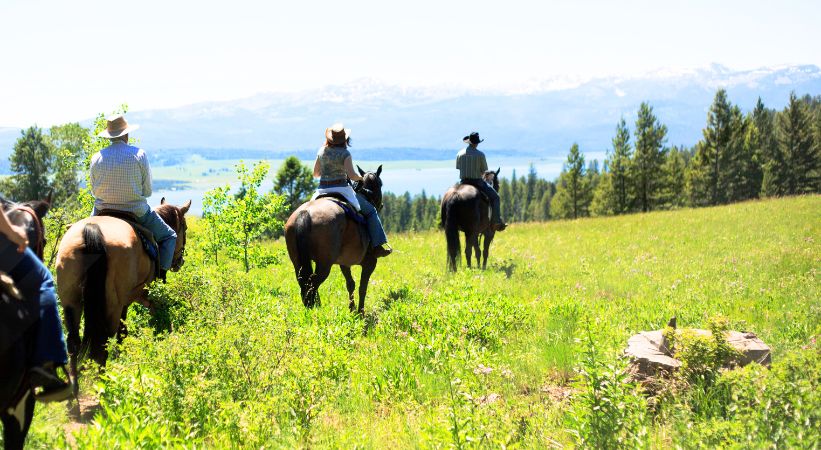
[121,181]
[334,167]
[472,165]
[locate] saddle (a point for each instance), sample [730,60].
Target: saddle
[152,249]
[346,206]
[475,184]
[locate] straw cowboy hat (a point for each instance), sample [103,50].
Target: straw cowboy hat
[337,134]
[116,126]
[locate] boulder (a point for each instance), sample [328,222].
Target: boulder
[650,356]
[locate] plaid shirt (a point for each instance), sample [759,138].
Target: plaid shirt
[471,163]
[121,178]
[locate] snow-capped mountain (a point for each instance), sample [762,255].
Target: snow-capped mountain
[543,117]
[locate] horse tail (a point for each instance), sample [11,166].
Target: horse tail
[451,234]
[94,299]
[303,245]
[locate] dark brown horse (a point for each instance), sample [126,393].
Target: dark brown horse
[320,232]
[465,209]
[29,215]
[101,269]
[19,317]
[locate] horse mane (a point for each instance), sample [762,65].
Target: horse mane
[170,214]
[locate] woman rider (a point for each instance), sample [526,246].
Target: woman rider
[334,167]
[34,281]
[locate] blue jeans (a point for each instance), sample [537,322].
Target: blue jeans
[164,235]
[34,281]
[375,229]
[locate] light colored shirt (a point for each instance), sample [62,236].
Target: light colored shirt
[121,178]
[471,163]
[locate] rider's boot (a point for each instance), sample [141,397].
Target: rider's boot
[53,388]
[382,250]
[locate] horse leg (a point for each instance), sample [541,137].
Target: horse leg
[320,275]
[471,243]
[14,433]
[72,320]
[476,247]
[368,266]
[488,239]
[350,284]
[468,247]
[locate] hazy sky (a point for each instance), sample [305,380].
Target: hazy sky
[67,60]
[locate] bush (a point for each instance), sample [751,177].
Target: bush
[609,411]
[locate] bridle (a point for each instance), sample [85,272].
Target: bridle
[39,246]
[369,194]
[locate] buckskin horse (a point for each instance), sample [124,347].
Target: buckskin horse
[320,231]
[19,318]
[465,209]
[101,269]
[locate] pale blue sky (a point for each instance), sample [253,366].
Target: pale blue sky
[67,60]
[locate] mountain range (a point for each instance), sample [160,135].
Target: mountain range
[395,122]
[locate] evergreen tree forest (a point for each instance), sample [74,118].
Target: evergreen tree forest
[763,153]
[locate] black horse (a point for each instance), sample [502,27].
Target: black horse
[466,209]
[320,231]
[19,324]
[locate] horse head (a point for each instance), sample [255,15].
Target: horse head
[174,216]
[492,178]
[29,216]
[371,186]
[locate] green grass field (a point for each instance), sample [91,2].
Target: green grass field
[480,358]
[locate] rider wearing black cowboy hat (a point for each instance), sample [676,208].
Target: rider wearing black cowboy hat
[472,165]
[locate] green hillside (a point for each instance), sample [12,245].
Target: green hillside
[477,359]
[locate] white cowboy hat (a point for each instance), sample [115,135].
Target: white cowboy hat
[337,134]
[116,126]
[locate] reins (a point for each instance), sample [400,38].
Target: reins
[359,187]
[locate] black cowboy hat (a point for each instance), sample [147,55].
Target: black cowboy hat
[473,138]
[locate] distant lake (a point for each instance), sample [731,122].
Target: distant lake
[192,180]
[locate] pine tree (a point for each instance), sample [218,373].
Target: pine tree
[795,167]
[572,196]
[604,196]
[673,172]
[618,164]
[649,156]
[760,142]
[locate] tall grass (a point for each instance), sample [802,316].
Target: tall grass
[499,358]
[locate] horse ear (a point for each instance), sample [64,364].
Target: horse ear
[162,201]
[361,172]
[48,197]
[497,172]
[184,208]
[41,208]
[379,170]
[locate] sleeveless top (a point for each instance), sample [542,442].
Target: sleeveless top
[332,163]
